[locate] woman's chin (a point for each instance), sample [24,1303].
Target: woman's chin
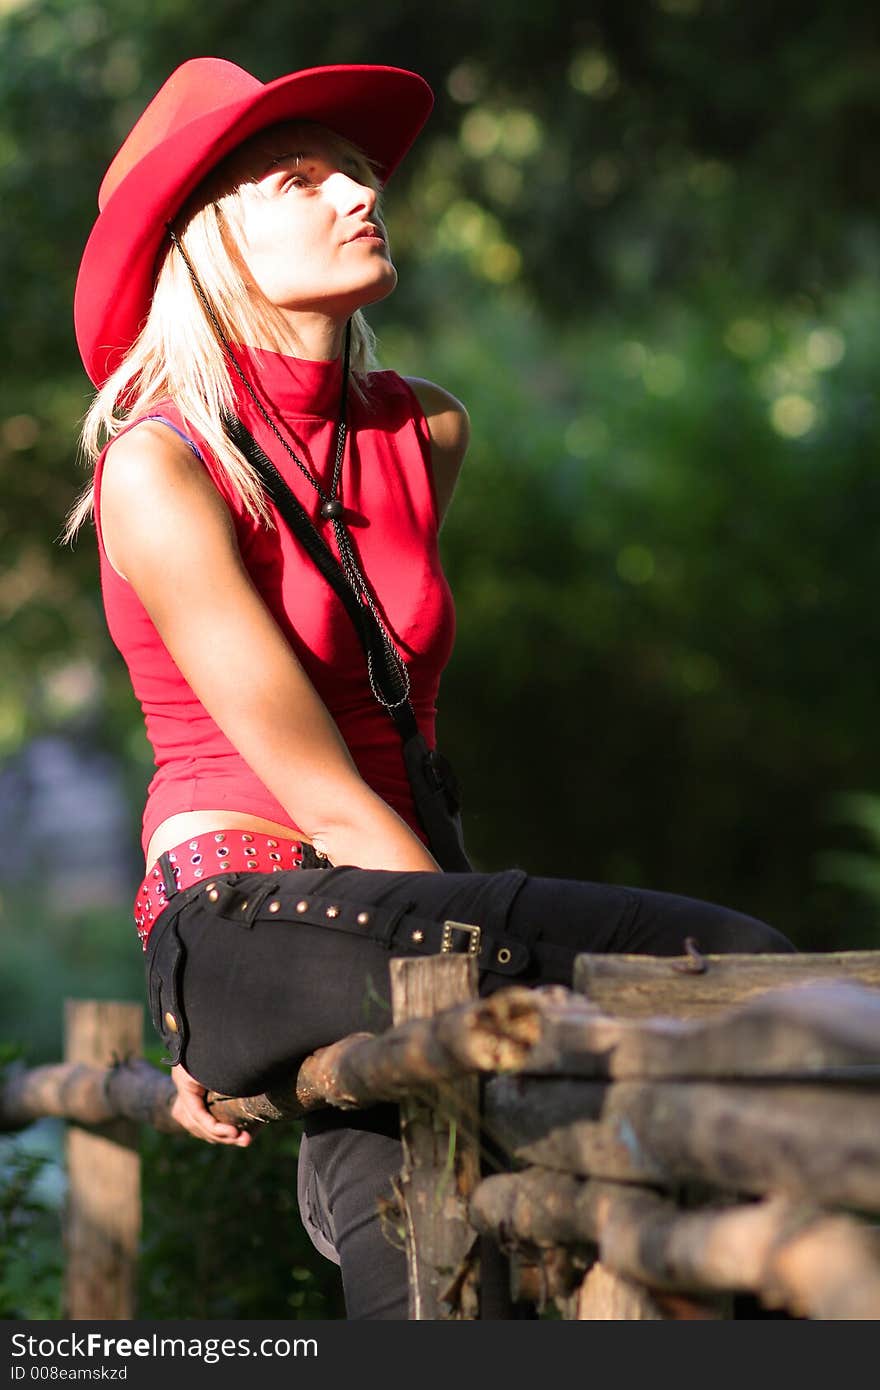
[383,285]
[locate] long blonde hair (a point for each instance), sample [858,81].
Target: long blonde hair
[178,355]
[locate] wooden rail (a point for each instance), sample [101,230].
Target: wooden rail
[682,1131]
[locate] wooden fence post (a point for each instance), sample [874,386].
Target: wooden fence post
[103,1211]
[440,1133]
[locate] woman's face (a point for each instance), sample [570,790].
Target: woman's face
[311,237]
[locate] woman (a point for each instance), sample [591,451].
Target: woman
[218,311]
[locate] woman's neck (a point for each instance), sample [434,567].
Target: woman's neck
[314,336]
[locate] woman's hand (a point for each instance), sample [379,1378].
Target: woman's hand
[190,1111]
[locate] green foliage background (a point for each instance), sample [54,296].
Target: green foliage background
[640,241]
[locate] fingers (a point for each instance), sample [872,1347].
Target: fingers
[191,1112]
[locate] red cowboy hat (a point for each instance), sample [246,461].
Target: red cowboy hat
[206,108]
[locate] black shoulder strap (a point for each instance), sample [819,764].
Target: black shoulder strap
[300,523]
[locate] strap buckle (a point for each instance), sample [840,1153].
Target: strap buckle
[447,944]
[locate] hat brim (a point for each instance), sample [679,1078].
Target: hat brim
[379,109]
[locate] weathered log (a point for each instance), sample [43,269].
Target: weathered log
[541,1275]
[130,1089]
[537,1208]
[440,1135]
[484,1035]
[804,1140]
[830,1029]
[494,1034]
[521,1111]
[102,1207]
[813,1263]
[690,986]
[606,1296]
[574,1038]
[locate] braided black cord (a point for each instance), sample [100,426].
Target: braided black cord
[386,669]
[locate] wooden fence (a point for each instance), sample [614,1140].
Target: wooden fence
[675,1132]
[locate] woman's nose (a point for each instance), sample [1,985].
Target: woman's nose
[349,195]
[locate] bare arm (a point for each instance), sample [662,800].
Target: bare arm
[170,534]
[449,427]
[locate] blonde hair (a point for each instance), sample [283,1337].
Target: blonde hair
[178,354]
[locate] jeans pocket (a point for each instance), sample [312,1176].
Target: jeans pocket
[164,966]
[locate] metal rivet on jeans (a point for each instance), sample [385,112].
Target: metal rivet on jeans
[275,905]
[302,905]
[503,956]
[418,935]
[332,912]
[363,918]
[213,895]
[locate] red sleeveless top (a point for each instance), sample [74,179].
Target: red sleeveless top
[390,508]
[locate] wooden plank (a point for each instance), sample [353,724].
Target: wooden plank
[649,986]
[811,1141]
[103,1209]
[440,1133]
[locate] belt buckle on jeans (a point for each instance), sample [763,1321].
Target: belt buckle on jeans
[446,943]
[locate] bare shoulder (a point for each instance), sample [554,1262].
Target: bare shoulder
[155,497]
[447,418]
[449,428]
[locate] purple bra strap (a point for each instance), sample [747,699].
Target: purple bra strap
[163,420]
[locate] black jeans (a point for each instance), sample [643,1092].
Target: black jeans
[252,987]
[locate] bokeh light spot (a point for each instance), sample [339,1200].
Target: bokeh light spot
[20,432]
[480,132]
[500,262]
[592,73]
[825,348]
[793,416]
[466,82]
[747,337]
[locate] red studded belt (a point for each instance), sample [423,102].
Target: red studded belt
[217,852]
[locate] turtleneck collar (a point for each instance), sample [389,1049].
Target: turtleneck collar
[296,386]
